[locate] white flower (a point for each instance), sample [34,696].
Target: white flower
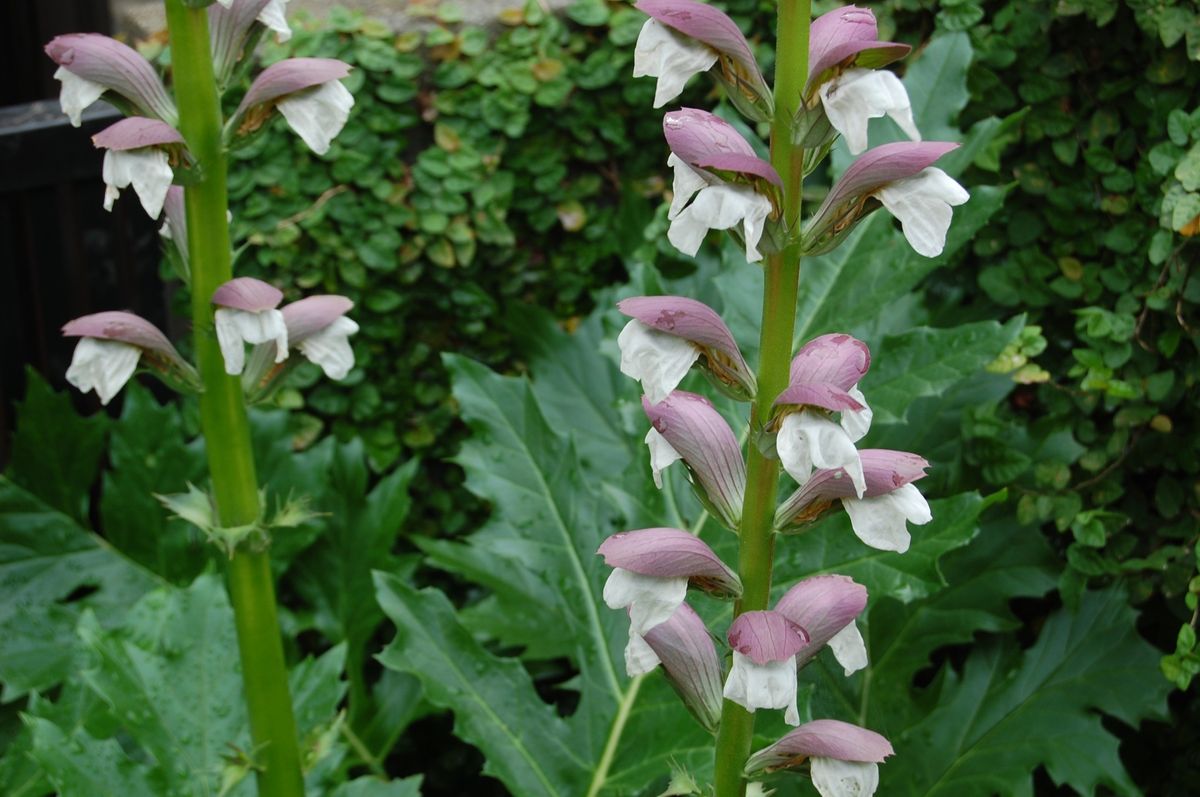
[651,599]
[640,658]
[719,207]
[658,360]
[673,59]
[235,328]
[856,96]
[880,521]
[318,114]
[662,455]
[835,778]
[102,365]
[770,685]
[147,169]
[273,17]
[849,649]
[923,206]
[685,185]
[77,94]
[330,348]
[808,439]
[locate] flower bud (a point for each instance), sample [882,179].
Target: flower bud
[685,649]
[688,427]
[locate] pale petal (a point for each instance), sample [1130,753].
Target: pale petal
[687,182]
[640,658]
[651,600]
[318,114]
[147,170]
[808,439]
[858,95]
[273,16]
[719,207]
[849,649]
[857,422]
[235,328]
[923,206]
[771,685]
[670,57]
[77,94]
[662,455]
[656,359]
[834,778]
[330,348]
[102,365]
[880,521]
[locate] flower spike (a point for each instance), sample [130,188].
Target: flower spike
[246,314]
[703,148]
[681,318]
[878,517]
[139,153]
[112,344]
[844,758]
[902,178]
[309,94]
[763,675]
[826,606]
[686,426]
[683,38]
[90,64]
[689,659]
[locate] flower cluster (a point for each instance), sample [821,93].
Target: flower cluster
[814,423]
[721,183]
[146,152]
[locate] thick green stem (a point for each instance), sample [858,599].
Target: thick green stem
[223,411]
[756,545]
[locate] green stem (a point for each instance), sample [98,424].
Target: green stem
[223,411]
[756,543]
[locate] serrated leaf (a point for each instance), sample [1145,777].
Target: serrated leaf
[926,362]
[526,745]
[52,570]
[1006,714]
[81,766]
[55,452]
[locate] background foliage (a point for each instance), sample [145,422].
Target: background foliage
[482,172]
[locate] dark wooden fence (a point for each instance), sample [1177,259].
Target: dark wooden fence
[61,254]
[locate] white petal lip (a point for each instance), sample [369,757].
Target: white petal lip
[102,365]
[856,96]
[807,439]
[640,658]
[673,59]
[719,207]
[658,360]
[235,328]
[923,206]
[835,778]
[880,521]
[857,422]
[330,348]
[686,183]
[274,17]
[651,600]
[771,685]
[147,170]
[849,649]
[662,455]
[318,114]
[77,94]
